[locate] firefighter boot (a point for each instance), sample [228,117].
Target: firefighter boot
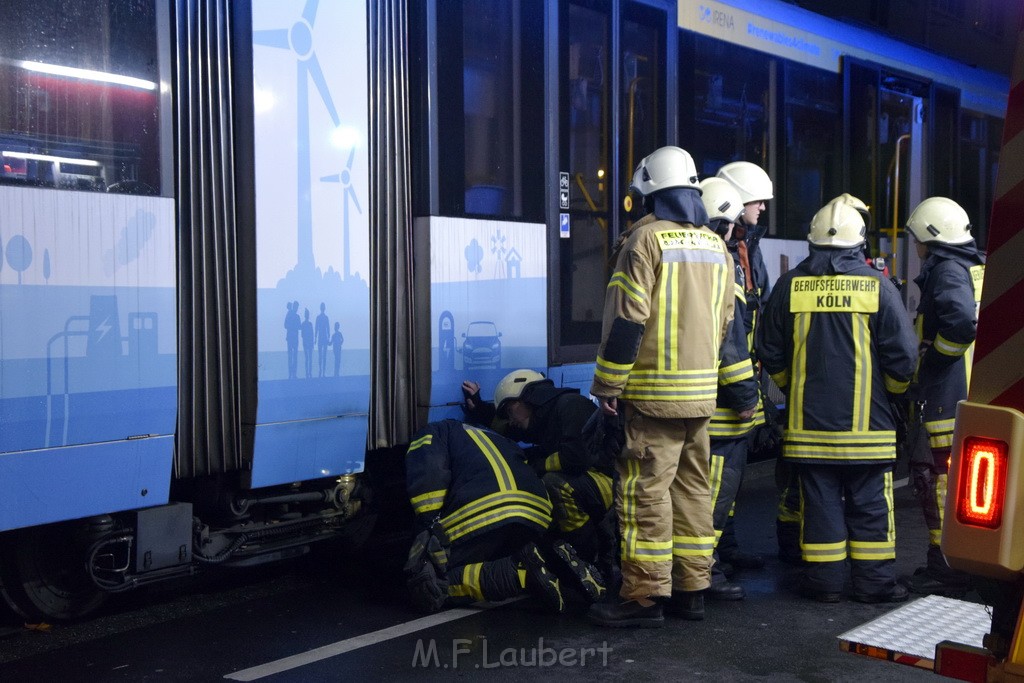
[584,576]
[686,604]
[539,580]
[621,612]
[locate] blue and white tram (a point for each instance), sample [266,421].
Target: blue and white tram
[247,247]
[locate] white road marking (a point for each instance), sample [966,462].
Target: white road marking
[357,642]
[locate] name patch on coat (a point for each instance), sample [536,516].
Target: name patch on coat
[834,294]
[977,279]
[689,239]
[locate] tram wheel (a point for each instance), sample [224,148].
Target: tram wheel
[43,576]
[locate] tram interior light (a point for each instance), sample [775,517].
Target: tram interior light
[85,74]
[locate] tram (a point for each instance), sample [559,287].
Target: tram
[247,247]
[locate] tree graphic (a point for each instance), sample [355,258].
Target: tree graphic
[19,255]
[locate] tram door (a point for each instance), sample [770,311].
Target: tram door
[900,137]
[612,112]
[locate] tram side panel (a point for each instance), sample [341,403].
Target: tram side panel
[312,236]
[87,353]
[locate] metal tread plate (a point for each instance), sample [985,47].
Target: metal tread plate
[909,634]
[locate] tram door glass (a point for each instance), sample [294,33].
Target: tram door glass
[980,137]
[729,89]
[597,132]
[812,154]
[584,255]
[80,102]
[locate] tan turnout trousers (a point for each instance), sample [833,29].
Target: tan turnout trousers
[664,505]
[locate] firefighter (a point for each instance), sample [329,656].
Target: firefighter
[755,189]
[667,309]
[481,512]
[537,412]
[835,336]
[947,319]
[738,391]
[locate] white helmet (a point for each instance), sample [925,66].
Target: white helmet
[721,200]
[511,386]
[664,168]
[750,181]
[863,209]
[938,219]
[838,224]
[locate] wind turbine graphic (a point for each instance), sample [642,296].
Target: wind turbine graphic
[299,39]
[345,178]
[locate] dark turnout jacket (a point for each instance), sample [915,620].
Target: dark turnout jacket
[473,480]
[947,322]
[836,337]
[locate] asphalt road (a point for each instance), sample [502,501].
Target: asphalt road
[331,617]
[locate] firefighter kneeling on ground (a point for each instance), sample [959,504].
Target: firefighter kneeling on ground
[529,408]
[481,512]
[836,338]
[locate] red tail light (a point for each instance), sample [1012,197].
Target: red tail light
[982,482]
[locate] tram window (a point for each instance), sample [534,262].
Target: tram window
[80,95]
[491,69]
[980,137]
[730,99]
[811,156]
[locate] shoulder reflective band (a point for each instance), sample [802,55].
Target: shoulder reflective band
[982,486]
[834,294]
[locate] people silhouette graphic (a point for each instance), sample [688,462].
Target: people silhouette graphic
[292,323]
[307,343]
[323,339]
[337,339]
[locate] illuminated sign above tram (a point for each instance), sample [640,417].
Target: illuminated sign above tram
[794,33]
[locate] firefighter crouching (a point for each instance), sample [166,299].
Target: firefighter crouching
[533,410]
[481,511]
[946,323]
[836,338]
[668,307]
[738,391]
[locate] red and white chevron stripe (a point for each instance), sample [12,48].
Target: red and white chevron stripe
[998,375]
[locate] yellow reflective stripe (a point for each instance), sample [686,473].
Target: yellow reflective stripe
[722,280]
[862,370]
[872,550]
[737,372]
[492,500]
[693,546]
[715,476]
[553,463]
[824,552]
[669,394]
[630,288]
[422,441]
[801,328]
[817,436]
[430,501]
[838,452]
[668,337]
[887,491]
[940,498]
[940,433]
[650,551]
[676,376]
[604,486]
[628,486]
[470,585]
[501,514]
[502,472]
[949,348]
[894,386]
[574,517]
[781,379]
[739,292]
[613,373]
